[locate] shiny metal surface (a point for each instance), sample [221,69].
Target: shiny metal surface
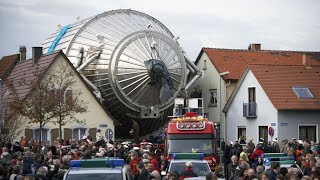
[110,51]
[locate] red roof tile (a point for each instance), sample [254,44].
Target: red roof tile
[277,82]
[235,61]
[24,70]
[6,64]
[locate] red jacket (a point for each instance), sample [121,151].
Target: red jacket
[187,173]
[155,164]
[256,153]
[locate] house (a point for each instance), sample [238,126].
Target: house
[222,70]
[275,101]
[95,118]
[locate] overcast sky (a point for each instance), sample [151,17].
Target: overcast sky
[276,24]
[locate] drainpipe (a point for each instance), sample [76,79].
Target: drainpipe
[226,89]
[220,108]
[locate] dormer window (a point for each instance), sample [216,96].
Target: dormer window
[302,92]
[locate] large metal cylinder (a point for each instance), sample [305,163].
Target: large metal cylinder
[132,62]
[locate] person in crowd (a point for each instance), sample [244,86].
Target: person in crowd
[219,172]
[284,148]
[153,160]
[226,152]
[231,168]
[275,170]
[264,176]
[172,176]
[275,146]
[164,163]
[244,156]
[143,173]
[188,172]
[255,154]
[134,162]
[259,170]
[236,150]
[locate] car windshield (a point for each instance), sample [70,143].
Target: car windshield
[199,168]
[100,176]
[190,146]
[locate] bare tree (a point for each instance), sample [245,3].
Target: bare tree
[10,128]
[38,105]
[67,98]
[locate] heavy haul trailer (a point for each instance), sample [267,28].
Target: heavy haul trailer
[191,134]
[132,62]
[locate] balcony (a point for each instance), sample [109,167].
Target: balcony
[250,110]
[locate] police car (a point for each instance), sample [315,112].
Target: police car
[96,169]
[283,159]
[178,164]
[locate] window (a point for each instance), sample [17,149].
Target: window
[242,132]
[308,132]
[213,97]
[263,133]
[252,94]
[44,134]
[67,95]
[302,92]
[78,133]
[204,64]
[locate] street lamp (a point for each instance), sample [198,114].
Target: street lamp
[220,108]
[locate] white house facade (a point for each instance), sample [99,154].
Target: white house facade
[276,111]
[95,118]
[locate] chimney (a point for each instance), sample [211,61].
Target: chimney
[23,53]
[254,47]
[36,54]
[305,61]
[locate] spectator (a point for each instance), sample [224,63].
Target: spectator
[15,172]
[143,173]
[219,172]
[275,170]
[259,170]
[275,146]
[134,162]
[255,154]
[231,168]
[188,171]
[264,176]
[152,158]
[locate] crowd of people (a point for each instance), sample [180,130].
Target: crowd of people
[245,160]
[27,160]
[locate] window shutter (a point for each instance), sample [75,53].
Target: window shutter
[54,134]
[92,133]
[67,133]
[28,133]
[245,107]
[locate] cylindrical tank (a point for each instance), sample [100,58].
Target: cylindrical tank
[132,62]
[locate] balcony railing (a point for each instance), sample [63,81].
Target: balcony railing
[250,110]
[189,105]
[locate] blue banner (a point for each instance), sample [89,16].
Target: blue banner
[57,39]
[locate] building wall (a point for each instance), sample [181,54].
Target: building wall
[289,122]
[94,116]
[266,113]
[211,80]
